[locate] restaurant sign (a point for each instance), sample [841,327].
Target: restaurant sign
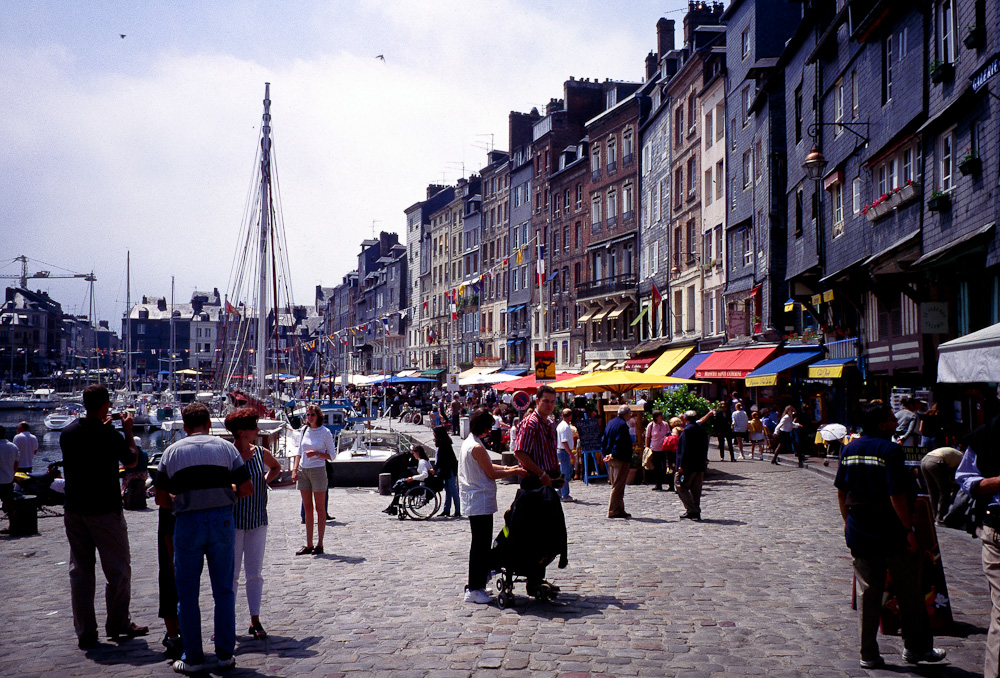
[986,72]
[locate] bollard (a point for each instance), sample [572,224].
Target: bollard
[385,484]
[24,517]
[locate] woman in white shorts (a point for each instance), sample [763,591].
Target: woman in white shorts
[316,447]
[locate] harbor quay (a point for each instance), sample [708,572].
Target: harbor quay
[760,587]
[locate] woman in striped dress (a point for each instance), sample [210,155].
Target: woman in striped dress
[250,513]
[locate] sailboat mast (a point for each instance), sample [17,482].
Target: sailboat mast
[265,207]
[128,320]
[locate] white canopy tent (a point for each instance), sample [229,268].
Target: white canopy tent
[972,358]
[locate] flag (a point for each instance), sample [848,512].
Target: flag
[505,261]
[385,324]
[657,300]
[230,309]
[454,306]
[425,304]
[540,265]
[520,255]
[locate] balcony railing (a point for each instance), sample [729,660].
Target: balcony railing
[612,221]
[595,175]
[619,283]
[612,167]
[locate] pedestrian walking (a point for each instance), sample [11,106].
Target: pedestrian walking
[876,494]
[564,451]
[617,448]
[92,450]
[250,512]
[908,423]
[938,469]
[692,460]
[656,434]
[722,422]
[740,426]
[195,478]
[27,446]
[783,431]
[755,430]
[446,468]
[477,485]
[979,475]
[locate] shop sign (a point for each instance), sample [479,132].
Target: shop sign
[826,372]
[736,325]
[986,73]
[934,317]
[763,380]
[614,354]
[545,366]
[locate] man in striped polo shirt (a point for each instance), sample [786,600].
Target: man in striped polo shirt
[196,477]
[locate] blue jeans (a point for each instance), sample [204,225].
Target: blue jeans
[450,493]
[566,469]
[199,535]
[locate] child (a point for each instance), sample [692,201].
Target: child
[755,428]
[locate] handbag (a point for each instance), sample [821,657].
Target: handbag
[647,459]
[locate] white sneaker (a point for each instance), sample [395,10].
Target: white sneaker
[478,596]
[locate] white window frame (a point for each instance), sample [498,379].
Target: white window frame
[946,160]
[856,196]
[837,198]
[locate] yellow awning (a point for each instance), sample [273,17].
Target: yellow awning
[588,315]
[832,368]
[599,316]
[617,312]
[668,361]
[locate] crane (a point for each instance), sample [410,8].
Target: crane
[23,278]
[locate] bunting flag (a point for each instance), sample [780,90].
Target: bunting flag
[231,310]
[425,304]
[385,324]
[657,300]
[520,255]
[454,306]
[540,266]
[505,261]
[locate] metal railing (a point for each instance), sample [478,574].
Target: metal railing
[618,283]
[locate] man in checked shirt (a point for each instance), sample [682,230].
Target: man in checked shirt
[535,446]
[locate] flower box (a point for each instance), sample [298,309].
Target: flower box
[878,211]
[970,165]
[941,71]
[908,193]
[939,203]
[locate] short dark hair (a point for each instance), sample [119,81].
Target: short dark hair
[542,390]
[196,415]
[873,415]
[481,421]
[94,396]
[243,419]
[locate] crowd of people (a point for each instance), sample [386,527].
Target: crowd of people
[212,496]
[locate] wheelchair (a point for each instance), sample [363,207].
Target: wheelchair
[419,501]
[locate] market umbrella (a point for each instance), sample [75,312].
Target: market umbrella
[188,371]
[832,432]
[619,381]
[529,384]
[482,379]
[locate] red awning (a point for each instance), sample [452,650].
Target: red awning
[528,383]
[640,363]
[732,364]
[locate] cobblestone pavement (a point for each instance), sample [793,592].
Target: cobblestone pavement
[760,588]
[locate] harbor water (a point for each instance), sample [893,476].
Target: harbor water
[48,441]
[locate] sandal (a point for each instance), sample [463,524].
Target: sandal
[304,551]
[257,631]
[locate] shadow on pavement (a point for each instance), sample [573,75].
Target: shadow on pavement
[651,520]
[569,605]
[721,521]
[129,652]
[350,560]
[943,669]
[961,629]
[282,646]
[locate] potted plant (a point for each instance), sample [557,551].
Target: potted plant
[939,200]
[974,37]
[940,70]
[969,163]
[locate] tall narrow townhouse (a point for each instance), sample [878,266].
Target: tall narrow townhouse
[493,253]
[468,290]
[756,31]
[521,261]
[689,262]
[422,246]
[961,150]
[608,299]
[711,102]
[558,210]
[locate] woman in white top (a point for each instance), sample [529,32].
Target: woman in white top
[784,432]
[741,423]
[477,489]
[316,447]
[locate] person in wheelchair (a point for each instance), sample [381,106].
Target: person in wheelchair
[400,487]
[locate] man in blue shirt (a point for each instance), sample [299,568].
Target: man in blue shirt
[876,493]
[617,444]
[979,476]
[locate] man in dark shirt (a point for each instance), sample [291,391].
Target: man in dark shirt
[91,450]
[617,444]
[876,493]
[692,460]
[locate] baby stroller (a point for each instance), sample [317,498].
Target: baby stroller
[534,533]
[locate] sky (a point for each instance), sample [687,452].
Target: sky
[145,144]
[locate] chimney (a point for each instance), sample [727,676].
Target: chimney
[699,14]
[161,304]
[664,36]
[651,63]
